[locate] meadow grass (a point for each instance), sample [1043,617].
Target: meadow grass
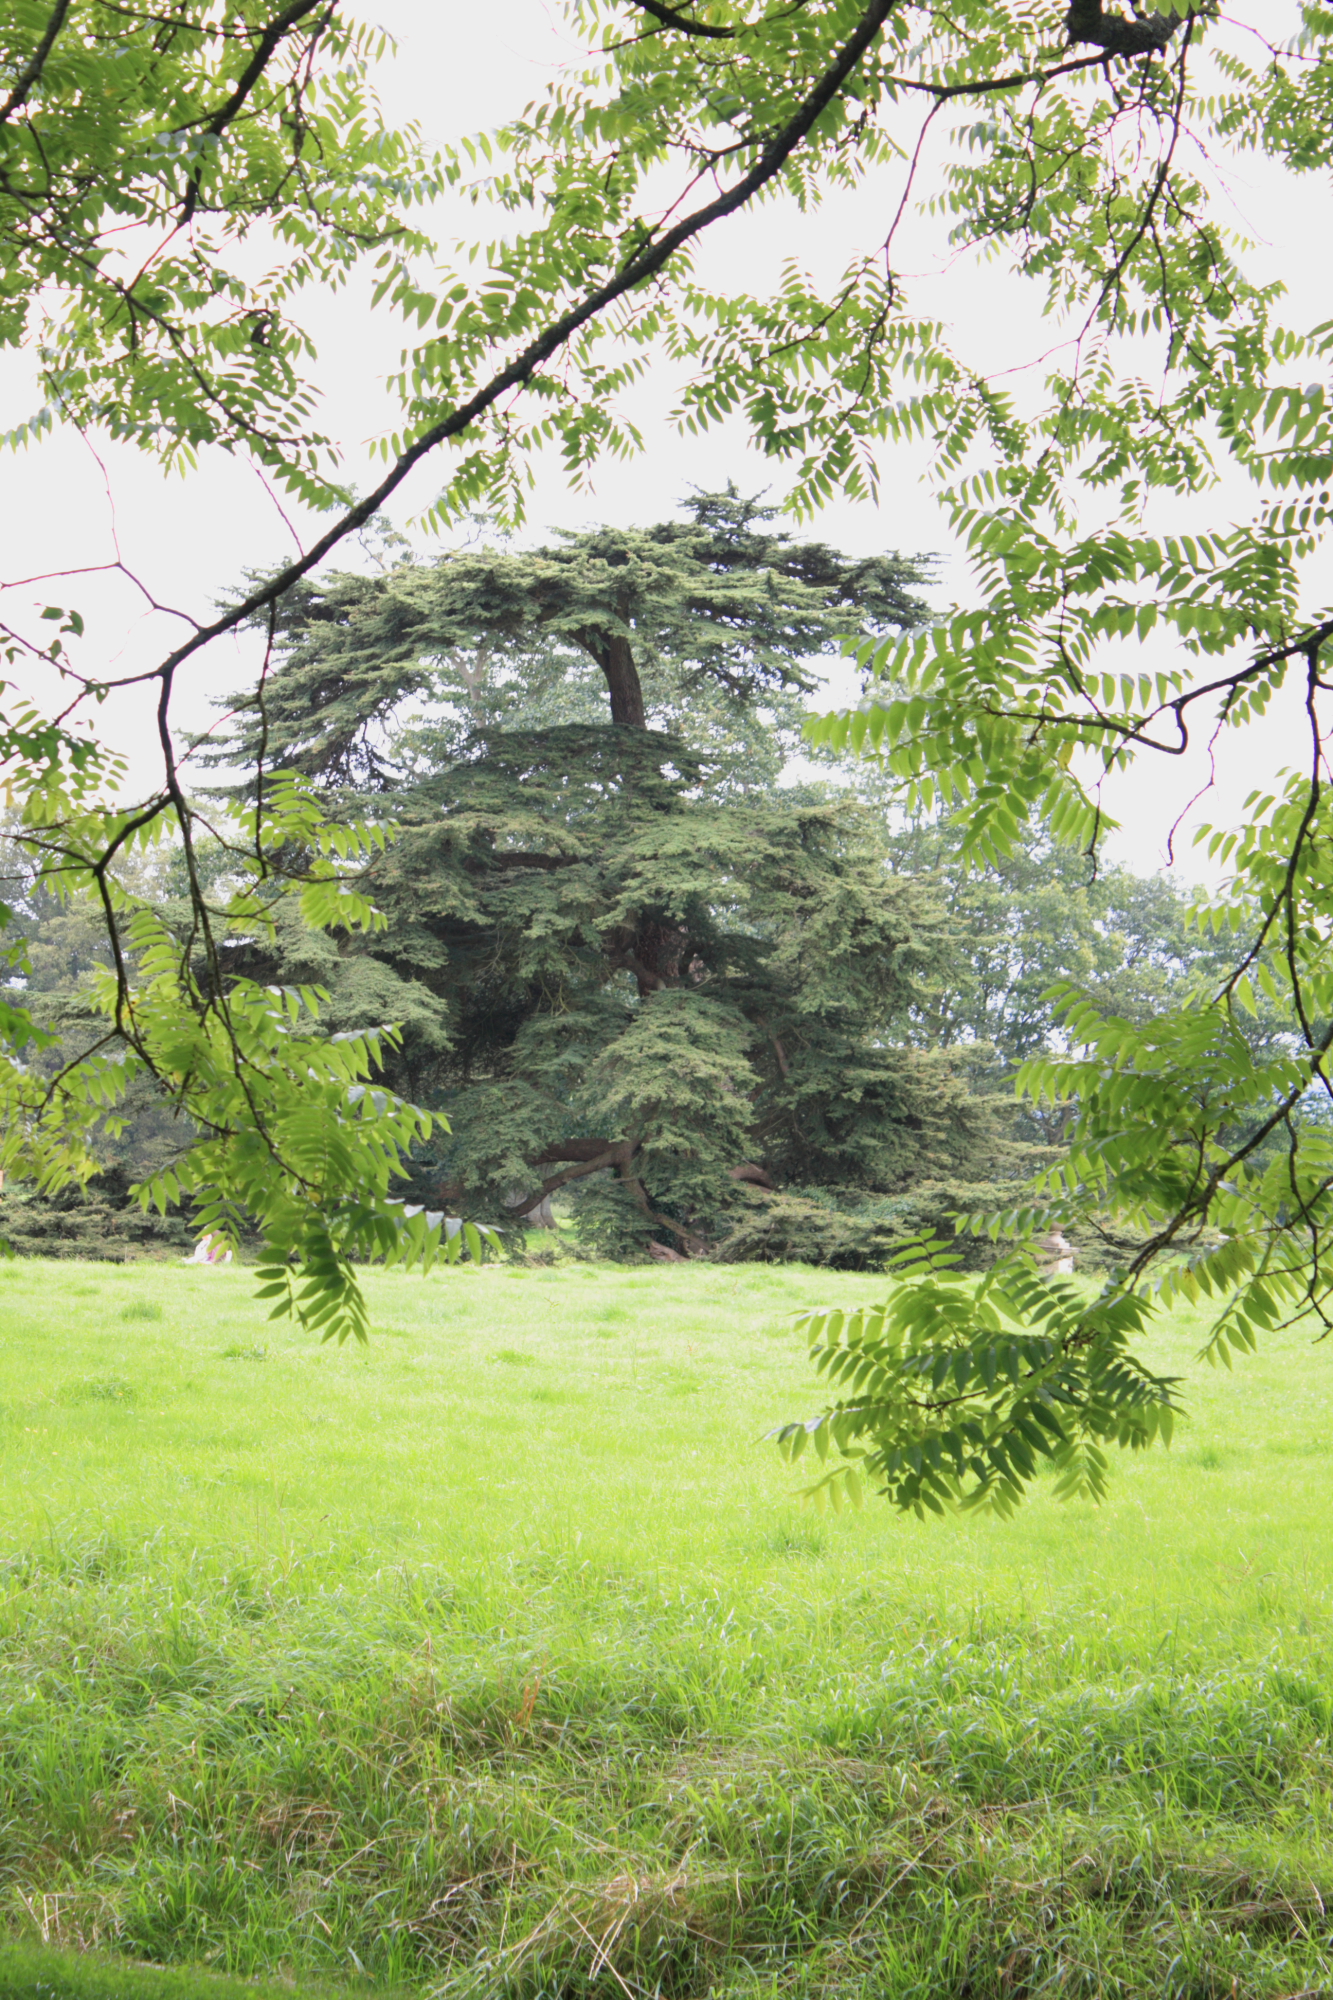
[501,1658]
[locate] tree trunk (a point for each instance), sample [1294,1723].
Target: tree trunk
[539,1215]
[616,661]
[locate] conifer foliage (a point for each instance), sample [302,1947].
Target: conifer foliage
[623,959]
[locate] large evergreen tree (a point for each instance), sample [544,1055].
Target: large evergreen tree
[690,624]
[621,955]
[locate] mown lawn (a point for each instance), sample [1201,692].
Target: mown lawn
[501,1659]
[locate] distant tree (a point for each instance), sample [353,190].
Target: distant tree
[620,952]
[697,623]
[1032,920]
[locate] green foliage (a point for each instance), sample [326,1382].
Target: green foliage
[850,1231]
[1199,1143]
[95,1218]
[1038,915]
[695,983]
[41,1972]
[616,950]
[957,1393]
[65,950]
[1042,924]
[686,624]
[289,1127]
[200,130]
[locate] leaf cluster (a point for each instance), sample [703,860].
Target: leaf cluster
[957,1393]
[141,156]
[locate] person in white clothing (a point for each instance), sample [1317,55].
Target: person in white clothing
[211,1250]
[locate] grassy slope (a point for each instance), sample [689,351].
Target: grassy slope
[501,1656]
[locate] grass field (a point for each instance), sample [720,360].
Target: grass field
[500,1658]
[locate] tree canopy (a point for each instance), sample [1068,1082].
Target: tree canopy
[615,948]
[1092,633]
[689,621]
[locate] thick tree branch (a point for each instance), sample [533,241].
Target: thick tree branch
[33,68]
[217,121]
[671,19]
[637,272]
[616,1154]
[988,86]
[576,1149]
[693,1243]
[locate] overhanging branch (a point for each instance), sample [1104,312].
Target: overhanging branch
[669,18]
[637,272]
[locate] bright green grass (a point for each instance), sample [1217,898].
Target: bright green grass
[501,1658]
[37,1972]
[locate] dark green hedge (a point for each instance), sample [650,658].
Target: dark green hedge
[850,1230]
[100,1221]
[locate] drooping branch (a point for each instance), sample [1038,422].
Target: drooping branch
[585,1157]
[691,1242]
[582,1150]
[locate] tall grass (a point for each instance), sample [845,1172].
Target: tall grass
[501,1660]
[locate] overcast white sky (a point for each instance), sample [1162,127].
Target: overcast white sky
[463,69]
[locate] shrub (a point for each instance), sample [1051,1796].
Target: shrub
[99,1221]
[854,1232]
